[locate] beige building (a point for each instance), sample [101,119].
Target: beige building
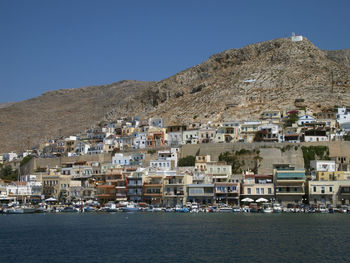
[332,176]
[290,185]
[329,192]
[248,131]
[56,185]
[258,186]
[153,189]
[201,162]
[220,171]
[175,188]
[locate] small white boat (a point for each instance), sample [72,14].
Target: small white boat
[246,209]
[69,209]
[19,210]
[277,208]
[268,209]
[130,208]
[110,207]
[225,209]
[236,209]
[322,209]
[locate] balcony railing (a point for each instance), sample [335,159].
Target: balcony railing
[178,193]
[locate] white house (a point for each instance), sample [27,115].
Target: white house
[24,189]
[169,155]
[174,138]
[296,38]
[323,166]
[120,159]
[155,122]
[305,119]
[139,141]
[271,132]
[160,164]
[190,137]
[82,148]
[96,149]
[343,117]
[10,156]
[317,136]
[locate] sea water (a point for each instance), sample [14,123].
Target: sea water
[175,237]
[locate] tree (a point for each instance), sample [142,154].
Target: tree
[292,118]
[231,158]
[187,161]
[7,173]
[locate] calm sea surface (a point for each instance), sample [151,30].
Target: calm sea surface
[173,237]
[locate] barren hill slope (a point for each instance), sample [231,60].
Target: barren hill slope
[62,112]
[235,84]
[339,56]
[241,83]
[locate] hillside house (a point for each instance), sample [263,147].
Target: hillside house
[304,119]
[190,137]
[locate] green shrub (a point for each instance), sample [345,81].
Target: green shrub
[187,161]
[314,153]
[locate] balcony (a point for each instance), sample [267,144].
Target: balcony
[226,192]
[152,185]
[134,184]
[344,190]
[153,194]
[133,193]
[174,183]
[174,194]
[291,190]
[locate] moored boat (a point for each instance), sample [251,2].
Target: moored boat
[225,209]
[268,209]
[130,208]
[277,208]
[69,209]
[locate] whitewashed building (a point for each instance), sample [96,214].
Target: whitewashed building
[323,166]
[305,119]
[120,159]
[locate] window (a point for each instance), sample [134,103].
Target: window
[249,191]
[257,191]
[331,189]
[314,188]
[196,191]
[269,191]
[262,191]
[322,189]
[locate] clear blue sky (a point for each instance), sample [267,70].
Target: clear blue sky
[47,45]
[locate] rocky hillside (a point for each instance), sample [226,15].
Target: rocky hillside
[62,112]
[339,56]
[241,83]
[235,84]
